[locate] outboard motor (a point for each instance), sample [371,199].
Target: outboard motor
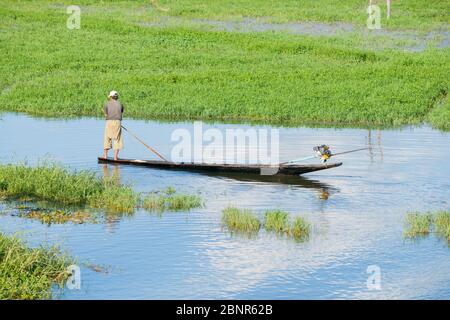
[323,152]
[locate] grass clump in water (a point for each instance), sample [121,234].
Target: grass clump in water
[115,198]
[169,200]
[299,229]
[154,202]
[417,225]
[237,220]
[276,220]
[27,273]
[50,182]
[442,224]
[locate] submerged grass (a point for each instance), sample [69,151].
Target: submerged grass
[417,225]
[182,73]
[54,183]
[278,221]
[169,200]
[442,224]
[422,224]
[57,216]
[245,221]
[240,220]
[299,229]
[114,197]
[27,273]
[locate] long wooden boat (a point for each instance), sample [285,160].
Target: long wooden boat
[292,169]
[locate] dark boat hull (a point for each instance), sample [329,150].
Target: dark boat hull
[221,168]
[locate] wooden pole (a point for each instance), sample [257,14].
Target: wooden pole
[148,147]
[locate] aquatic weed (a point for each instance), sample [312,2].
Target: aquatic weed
[441,222]
[169,200]
[30,273]
[417,225]
[240,220]
[276,220]
[299,229]
[51,182]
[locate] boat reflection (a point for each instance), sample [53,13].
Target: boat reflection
[324,190]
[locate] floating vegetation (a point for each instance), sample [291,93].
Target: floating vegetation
[57,216]
[278,221]
[417,225]
[50,182]
[237,220]
[169,200]
[30,273]
[422,224]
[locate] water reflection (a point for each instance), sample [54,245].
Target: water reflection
[324,190]
[373,150]
[114,173]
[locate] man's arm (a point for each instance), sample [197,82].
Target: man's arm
[105,111]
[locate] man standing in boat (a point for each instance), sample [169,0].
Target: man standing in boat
[113,111]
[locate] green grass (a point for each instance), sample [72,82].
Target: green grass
[48,182]
[417,225]
[169,200]
[27,273]
[442,224]
[299,229]
[439,117]
[54,183]
[154,202]
[114,197]
[278,221]
[411,14]
[240,220]
[422,224]
[184,73]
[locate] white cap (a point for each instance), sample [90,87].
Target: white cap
[113,93]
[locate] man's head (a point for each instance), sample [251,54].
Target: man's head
[114,95]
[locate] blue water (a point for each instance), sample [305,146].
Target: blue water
[356,210]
